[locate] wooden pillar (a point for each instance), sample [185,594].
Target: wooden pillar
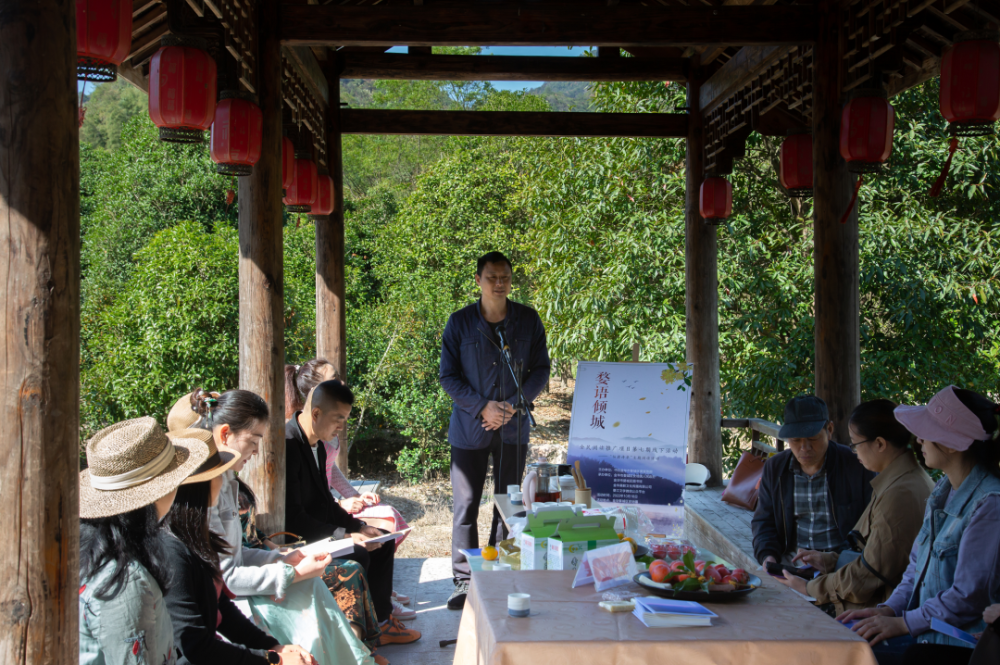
[701,302]
[838,349]
[262,332]
[331,330]
[40,335]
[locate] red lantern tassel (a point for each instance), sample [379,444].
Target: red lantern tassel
[939,183]
[850,206]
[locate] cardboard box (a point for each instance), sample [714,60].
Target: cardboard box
[575,536]
[535,537]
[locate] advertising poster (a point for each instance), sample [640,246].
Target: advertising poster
[628,430]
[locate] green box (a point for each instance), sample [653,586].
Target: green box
[575,536]
[535,536]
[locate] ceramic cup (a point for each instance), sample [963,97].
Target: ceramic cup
[583,496]
[517,498]
[501,566]
[513,488]
[519,604]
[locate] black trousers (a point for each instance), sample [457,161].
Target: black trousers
[378,569]
[468,476]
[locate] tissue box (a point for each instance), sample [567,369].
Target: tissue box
[535,537]
[575,536]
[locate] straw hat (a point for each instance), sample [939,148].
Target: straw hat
[132,464]
[182,415]
[218,462]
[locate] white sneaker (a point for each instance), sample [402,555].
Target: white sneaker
[405,600]
[402,613]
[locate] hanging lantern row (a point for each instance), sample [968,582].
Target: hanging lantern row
[103,38]
[236,133]
[303,192]
[715,200]
[182,89]
[796,165]
[324,195]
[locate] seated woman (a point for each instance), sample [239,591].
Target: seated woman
[889,524]
[299,381]
[200,607]
[236,420]
[133,473]
[954,569]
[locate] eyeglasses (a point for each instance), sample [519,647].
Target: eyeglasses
[854,446]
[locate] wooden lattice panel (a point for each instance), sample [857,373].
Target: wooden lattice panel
[239,19]
[306,111]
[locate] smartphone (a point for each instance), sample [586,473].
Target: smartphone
[777,570]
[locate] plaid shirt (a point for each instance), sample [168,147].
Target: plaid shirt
[814,522]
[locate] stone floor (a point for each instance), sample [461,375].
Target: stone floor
[428,583]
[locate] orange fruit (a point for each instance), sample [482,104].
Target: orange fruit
[490,553]
[630,542]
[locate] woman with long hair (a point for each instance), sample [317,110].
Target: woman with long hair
[133,471]
[954,569]
[867,574]
[236,420]
[200,606]
[299,382]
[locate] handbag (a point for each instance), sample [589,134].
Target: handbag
[987,651]
[297,540]
[743,486]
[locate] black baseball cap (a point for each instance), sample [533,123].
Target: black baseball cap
[805,416]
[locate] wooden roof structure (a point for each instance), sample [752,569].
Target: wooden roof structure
[771,66]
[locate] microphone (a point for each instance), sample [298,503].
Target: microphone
[501,329]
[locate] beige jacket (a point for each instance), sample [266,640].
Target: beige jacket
[889,526]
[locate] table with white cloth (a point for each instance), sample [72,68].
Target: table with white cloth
[770,626]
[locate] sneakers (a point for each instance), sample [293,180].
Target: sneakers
[457,599]
[402,613]
[400,598]
[394,632]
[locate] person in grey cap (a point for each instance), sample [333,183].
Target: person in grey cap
[812,494]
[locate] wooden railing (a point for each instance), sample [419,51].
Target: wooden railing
[757,426]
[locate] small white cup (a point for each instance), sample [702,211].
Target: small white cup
[501,566]
[640,566]
[513,488]
[519,604]
[517,498]
[488,565]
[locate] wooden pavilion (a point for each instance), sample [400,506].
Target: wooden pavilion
[771,66]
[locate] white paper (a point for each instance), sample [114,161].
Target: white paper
[390,536]
[335,548]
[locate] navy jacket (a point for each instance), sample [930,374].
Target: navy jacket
[849,491]
[471,371]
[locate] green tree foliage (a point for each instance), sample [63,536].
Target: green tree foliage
[109,108]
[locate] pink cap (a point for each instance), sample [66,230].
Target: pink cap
[945,420]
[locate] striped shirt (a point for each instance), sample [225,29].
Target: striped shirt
[815,526]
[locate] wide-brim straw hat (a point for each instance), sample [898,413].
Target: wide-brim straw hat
[182,415]
[218,462]
[132,464]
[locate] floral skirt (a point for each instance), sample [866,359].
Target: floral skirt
[346,581]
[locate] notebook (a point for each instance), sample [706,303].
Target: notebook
[947,629]
[335,548]
[665,613]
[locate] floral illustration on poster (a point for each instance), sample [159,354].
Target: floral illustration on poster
[629,432]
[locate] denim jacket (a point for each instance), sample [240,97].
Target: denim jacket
[472,373]
[133,628]
[935,584]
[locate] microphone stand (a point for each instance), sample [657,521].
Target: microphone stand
[522,403]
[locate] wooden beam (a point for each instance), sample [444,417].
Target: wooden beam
[308,68]
[459,23]
[331,324]
[512,123]
[262,333]
[733,76]
[40,336]
[509,68]
[134,76]
[835,249]
[701,303]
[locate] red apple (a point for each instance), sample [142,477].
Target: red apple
[713,575]
[741,576]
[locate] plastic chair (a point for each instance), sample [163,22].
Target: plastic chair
[695,476]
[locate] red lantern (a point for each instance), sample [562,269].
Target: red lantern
[866,126]
[182,90]
[796,174]
[324,197]
[303,193]
[715,200]
[287,163]
[236,133]
[970,85]
[103,38]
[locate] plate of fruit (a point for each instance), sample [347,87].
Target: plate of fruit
[688,579]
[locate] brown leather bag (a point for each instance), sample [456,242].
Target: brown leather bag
[742,488]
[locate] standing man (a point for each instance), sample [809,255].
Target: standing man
[484,420]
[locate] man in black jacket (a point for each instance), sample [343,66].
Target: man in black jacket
[312,512]
[812,495]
